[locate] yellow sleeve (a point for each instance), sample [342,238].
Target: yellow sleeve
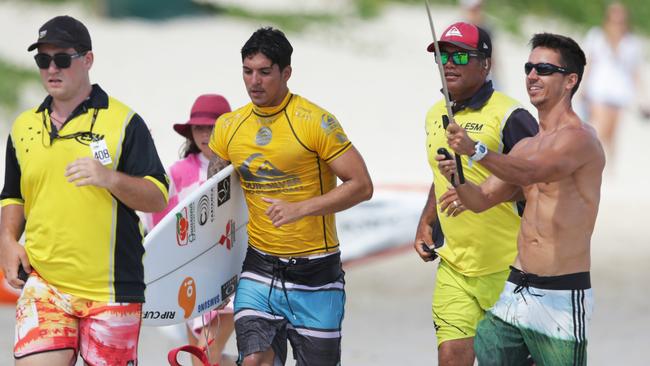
[218,142]
[327,138]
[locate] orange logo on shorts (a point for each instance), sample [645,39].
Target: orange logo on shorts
[187,296]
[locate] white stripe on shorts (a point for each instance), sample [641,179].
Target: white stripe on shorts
[289,285]
[315,333]
[259,314]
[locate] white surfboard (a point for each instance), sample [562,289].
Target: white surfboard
[195,253]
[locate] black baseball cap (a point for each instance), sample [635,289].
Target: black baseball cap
[64,31]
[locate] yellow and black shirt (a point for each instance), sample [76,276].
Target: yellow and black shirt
[81,239]
[283,152]
[485,243]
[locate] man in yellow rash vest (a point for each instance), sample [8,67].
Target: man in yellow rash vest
[288,152]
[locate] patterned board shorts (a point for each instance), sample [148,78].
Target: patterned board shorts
[49,320]
[301,300]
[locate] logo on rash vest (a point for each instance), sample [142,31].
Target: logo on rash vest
[473,126]
[453,32]
[328,123]
[187,296]
[264,136]
[228,239]
[259,174]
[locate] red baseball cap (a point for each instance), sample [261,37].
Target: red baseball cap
[466,36]
[205,111]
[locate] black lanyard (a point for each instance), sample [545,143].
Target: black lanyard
[86,135]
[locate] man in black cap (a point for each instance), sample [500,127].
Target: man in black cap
[475,249]
[77,167]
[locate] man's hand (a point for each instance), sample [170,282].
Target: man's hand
[458,140]
[450,203]
[447,168]
[281,212]
[87,171]
[423,238]
[12,255]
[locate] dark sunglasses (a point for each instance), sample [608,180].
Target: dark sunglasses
[61,60]
[458,57]
[544,68]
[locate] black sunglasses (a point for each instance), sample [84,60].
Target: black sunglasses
[61,60]
[544,68]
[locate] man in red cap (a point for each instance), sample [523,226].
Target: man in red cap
[77,168]
[475,250]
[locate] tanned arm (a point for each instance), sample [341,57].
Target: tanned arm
[356,187]
[12,254]
[424,233]
[479,198]
[571,149]
[216,164]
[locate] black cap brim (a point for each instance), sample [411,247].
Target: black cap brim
[432,47]
[54,43]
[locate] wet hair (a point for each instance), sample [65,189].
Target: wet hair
[272,43]
[571,55]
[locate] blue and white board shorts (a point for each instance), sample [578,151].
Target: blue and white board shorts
[297,299]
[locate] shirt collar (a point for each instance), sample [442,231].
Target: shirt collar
[476,101]
[97,99]
[270,111]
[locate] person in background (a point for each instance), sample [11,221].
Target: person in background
[613,78]
[473,11]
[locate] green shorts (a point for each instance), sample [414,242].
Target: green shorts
[460,302]
[544,317]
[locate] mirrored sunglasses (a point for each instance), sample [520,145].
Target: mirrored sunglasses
[458,57]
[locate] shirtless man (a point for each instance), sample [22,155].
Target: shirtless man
[547,302]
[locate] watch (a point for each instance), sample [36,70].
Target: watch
[480,150]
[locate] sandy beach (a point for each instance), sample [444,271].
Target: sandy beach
[376,77]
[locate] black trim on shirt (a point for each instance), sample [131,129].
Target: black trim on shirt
[139,158]
[338,153]
[98,99]
[237,129]
[476,101]
[296,135]
[11,188]
[519,125]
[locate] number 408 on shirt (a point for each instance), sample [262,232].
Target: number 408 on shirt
[100,152]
